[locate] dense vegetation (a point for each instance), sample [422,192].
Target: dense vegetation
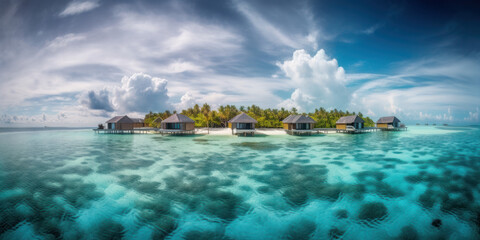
[267,118]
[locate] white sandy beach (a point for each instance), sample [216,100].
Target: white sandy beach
[228,131]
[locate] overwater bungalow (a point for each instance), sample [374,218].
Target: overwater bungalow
[178,124]
[390,123]
[298,124]
[139,123]
[350,123]
[120,123]
[242,124]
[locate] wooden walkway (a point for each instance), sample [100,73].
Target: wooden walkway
[145,131]
[130,131]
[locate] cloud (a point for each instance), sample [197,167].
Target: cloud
[97,100]
[186,101]
[426,89]
[77,7]
[141,93]
[161,43]
[64,40]
[318,81]
[372,29]
[473,116]
[265,28]
[301,34]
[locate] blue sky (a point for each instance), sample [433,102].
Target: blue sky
[75,63]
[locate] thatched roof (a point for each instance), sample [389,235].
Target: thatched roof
[157,120]
[178,118]
[390,119]
[138,120]
[242,118]
[120,119]
[350,119]
[298,119]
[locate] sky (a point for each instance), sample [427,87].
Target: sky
[78,63]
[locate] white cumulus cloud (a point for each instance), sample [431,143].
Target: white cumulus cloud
[318,81]
[186,101]
[141,93]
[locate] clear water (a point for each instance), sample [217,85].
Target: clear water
[386,185]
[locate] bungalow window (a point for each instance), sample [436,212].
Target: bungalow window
[244,125]
[303,126]
[173,125]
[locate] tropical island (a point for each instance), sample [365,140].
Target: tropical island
[247,121]
[204,116]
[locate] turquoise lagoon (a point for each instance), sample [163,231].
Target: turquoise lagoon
[74,184]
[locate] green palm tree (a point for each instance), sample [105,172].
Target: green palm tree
[206,112]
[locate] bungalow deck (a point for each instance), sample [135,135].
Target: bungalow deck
[243,132]
[130,131]
[362,130]
[394,129]
[175,131]
[303,132]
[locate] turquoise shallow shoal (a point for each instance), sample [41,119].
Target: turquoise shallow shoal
[73,184]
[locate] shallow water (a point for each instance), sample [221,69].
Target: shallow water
[423,183]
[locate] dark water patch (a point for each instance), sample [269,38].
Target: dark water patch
[341,214]
[373,211]
[338,163]
[233,176]
[375,175]
[202,141]
[301,161]
[389,166]
[163,226]
[162,139]
[408,233]
[221,204]
[387,190]
[146,187]
[296,196]
[80,170]
[329,191]
[257,146]
[117,165]
[110,229]
[301,230]
[437,223]
[430,197]
[335,233]
[264,190]
[393,160]
[204,235]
